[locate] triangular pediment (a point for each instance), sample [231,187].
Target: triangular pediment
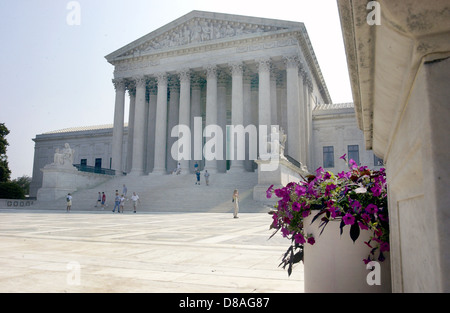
[199,27]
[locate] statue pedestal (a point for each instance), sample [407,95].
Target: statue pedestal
[57,182]
[277,172]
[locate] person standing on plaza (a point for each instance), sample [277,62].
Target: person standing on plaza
[197,173]
[103,200]
[206,177]
[122,202]
[135,199]
[116,203]
[99,199]
[69,202]
[235,200]
[124,190]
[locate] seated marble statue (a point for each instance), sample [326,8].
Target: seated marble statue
[63,157]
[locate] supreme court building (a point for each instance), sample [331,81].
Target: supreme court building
[206,69]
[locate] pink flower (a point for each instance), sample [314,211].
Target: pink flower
[355,205]
[328,189]
[296,206]
[363,226]
[269,192]
[332,210]
[299,239]
[352,164]
[371,209]
[306,213]
[311,240]
[300,190]
[384,247]
[343,157]
[285,232]
[348,219]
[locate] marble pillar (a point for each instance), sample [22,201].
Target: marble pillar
[161,125]
[237,116]
[264,107]
[211,145]
[137,166]
[185,117]
[292,105]
[117,140]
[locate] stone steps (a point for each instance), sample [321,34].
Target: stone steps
[172,193]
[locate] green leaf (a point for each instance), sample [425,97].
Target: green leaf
[354,231]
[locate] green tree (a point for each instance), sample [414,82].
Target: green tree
[5,172]
[24,183]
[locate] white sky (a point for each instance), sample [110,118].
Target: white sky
[53,75]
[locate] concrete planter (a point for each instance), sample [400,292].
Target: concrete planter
[335,264]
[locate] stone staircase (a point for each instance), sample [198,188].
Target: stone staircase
[170,193]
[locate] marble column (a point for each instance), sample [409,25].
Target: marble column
[222,86]
[137,166]
[292,104]
[237,116]
[196,128]
[301,115]
[117,140]
[185,117]
[248,120]
[151,127]
[161,125]
[264,107]
[211,146]
[273,98]
[129,154]
[173,120]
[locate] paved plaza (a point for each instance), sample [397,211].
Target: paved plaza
[55,251]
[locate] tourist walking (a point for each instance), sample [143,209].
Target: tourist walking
[103,200]
[124,190]
[206,177]
[197,173]
[69,202]
[135,199]
[99,199]
[235,200]
[122,202]
[116,203]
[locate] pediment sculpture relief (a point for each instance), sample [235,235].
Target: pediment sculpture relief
[200,30]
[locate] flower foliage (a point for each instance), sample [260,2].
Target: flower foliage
[356,198]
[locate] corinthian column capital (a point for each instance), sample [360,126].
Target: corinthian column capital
[140,81]
[185,75]
[211,71]
[264,64]
[291,61]
[119,84]
[237,68]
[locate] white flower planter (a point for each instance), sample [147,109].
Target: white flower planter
[335,264]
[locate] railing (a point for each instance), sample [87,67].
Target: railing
[94,169]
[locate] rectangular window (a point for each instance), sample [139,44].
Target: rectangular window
[328,156]
[377,161]
[98,163]
[83,162]
[353,153]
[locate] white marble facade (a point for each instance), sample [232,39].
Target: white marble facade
[226,69]
[209,68]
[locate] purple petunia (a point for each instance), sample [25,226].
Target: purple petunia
[299,239]
[269,192]
[348,219]
[296,206]
[371,209]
